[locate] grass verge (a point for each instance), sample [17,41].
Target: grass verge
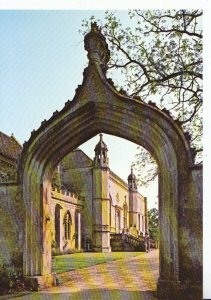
[69,262]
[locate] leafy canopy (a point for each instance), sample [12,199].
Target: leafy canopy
[157,56]
[153,216]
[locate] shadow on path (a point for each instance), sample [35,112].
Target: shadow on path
[91,294]
[131,278]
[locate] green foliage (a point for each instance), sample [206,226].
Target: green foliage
[11,277]
[158,56]
[146,167]
[153,216]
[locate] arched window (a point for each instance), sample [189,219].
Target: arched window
[143,224]
[125,214]
[67,225]
[118,218]
[110,210]
[57,225]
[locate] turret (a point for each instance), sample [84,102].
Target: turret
[133,200]
[101,199]
[101,158]
[132,182]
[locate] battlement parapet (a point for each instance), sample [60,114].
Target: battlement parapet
[65,195]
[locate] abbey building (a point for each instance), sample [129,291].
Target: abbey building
[91,207]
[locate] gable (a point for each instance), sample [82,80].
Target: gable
[9,147]
[76,159]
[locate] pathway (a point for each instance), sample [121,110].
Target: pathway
[130,278]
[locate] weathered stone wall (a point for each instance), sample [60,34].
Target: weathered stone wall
[137,213]
[66,202]
[190,233]
[119,194]
[77,176]
[8,171]
[11,222]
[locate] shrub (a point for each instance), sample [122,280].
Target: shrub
[11,275]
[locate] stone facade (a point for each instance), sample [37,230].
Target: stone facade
[11,206]
[10,152]
[11,222]
[107,205]
[66,211]
[88,202]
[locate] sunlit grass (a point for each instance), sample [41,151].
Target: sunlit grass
[75,261]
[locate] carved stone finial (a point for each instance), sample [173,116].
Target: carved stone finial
[43,122]
[131,169]
[166,111]
[95,44]
[137,97]
[33,133]
[152,103]
[123,92]
[78,88]
[67,102]
[55,112]
[25,144]
[95,27]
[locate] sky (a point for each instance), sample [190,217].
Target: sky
[41,63]
[42,59]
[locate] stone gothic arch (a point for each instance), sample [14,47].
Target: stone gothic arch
[98,107]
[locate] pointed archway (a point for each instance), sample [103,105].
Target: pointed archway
[98,107]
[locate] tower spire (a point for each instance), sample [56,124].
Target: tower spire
[101,149]
[132,181]
[131,168]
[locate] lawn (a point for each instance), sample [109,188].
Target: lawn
[69,262]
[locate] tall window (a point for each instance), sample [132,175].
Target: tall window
[110,211]
[125,215]
[67,225]
[143,227]
[139,222]
[57,225]
[117,220]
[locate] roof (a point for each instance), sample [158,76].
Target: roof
[116,177]
[76,159]
[132,175]
[9,146]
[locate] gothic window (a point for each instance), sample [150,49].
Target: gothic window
[76,228]
[110,209]
[57,225]
[143,223]
[67,225]
[117,221]
[139,222]
[125,215]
